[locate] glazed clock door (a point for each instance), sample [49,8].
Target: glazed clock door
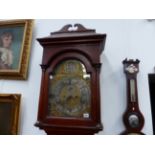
[69,91]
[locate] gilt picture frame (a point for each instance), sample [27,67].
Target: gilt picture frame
[9,113]
[15,45]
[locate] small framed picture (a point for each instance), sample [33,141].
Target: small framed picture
[15,44]
[9,113]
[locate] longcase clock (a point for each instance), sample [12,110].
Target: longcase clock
[70,89]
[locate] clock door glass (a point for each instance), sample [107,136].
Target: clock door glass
[69,91]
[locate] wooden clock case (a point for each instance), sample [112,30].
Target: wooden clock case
[77,43]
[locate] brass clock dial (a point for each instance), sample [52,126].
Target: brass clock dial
[69,92]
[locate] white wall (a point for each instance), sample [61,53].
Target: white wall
[125,39]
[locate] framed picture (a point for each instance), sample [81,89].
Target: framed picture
[15,44]
[9,113]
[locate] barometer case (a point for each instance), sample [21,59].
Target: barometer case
[133,118]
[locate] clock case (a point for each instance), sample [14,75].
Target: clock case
[71,43]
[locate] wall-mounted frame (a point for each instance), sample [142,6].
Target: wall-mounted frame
[9,113]
[15,44]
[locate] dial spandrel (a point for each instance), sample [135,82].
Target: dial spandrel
[69,91]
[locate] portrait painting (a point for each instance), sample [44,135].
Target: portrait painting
[9,113]
[15,42]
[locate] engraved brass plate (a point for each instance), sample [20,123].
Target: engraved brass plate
[69,91]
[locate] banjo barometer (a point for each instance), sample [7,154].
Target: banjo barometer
[133,118]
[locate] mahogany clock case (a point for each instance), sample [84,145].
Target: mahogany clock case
[65,110]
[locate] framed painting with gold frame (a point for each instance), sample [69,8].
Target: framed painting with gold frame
[9,113]
[15,44]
